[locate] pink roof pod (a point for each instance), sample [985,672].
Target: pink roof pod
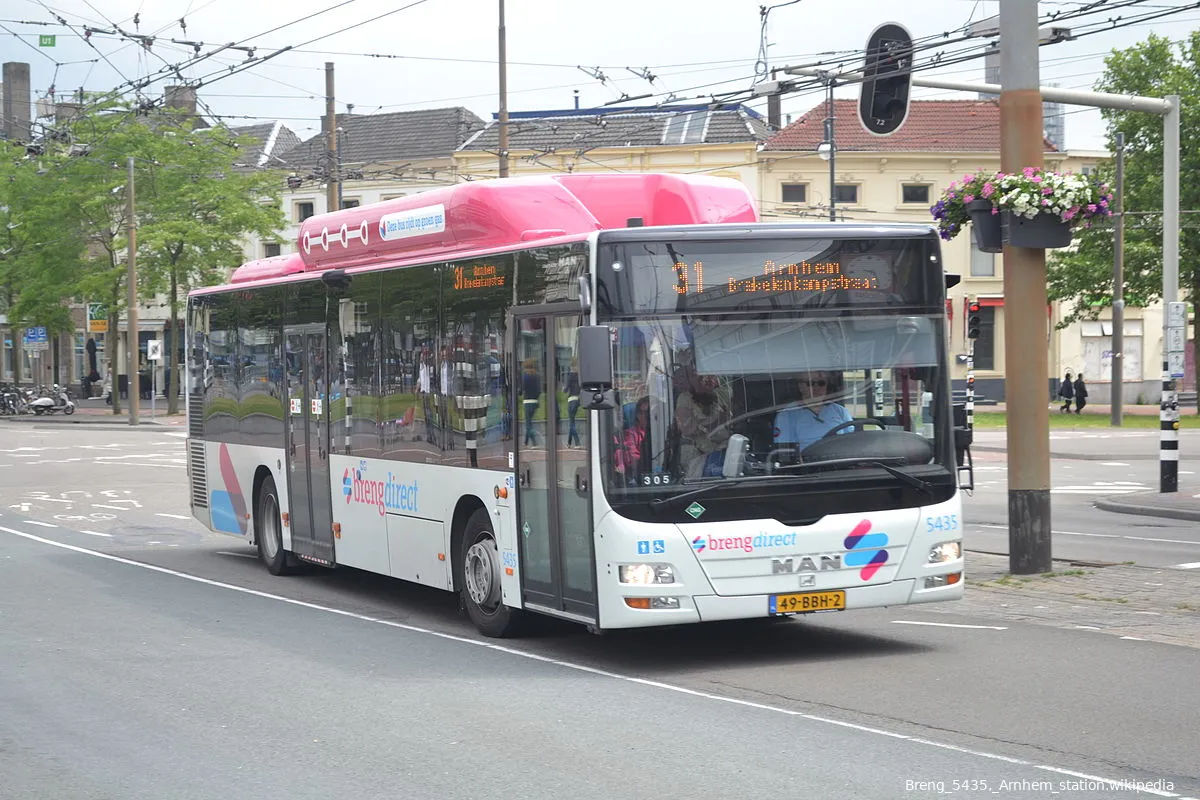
[270,267]
[496,214]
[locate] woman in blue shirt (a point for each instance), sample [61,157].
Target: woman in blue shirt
[806,421]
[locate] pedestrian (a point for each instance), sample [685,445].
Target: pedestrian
[531,392]
[1066,391]
[1081,393]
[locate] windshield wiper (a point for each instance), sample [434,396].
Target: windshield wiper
[886,464]
[709,487]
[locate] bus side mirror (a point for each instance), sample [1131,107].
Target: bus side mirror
[594,344]
[964,436]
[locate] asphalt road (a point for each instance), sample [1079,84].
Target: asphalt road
[1080,530]
[150,658]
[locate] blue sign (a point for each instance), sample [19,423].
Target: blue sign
[35,336]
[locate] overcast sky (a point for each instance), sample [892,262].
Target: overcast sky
[443,52]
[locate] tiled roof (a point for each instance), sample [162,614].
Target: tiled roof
[589,129]
[963,126]
[400,136]
[271,139]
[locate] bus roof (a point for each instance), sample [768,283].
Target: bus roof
[489,215]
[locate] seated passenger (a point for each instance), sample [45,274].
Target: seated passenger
[702,412]
[806,421]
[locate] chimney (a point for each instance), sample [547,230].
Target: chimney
[774,103]
[17,105]
[576,98]
[180,98]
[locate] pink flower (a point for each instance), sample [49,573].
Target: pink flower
[995,210]
[1070,212]
[988,190]
[1028,171]
[1048,190]
[1045,202]
[1092,207]
[1036,178]
[1104,204]
[968,198]
[952,186]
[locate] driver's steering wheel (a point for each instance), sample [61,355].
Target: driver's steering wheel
[857,424]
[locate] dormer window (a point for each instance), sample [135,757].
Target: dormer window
[686,127]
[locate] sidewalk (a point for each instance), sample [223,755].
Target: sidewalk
[1159,605]
[96,412]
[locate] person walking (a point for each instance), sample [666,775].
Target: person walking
[531,392]
[1066,391]
[1081,393]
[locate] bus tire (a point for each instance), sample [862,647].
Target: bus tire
[268,530]
[479,576]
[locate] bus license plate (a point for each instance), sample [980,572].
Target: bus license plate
[807,602]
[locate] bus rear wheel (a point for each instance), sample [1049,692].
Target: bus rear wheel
[268,530]
[479,576]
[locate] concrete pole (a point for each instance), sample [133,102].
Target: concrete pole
[832,156]
[131,314]
[1118,305]
[332,185]
[502,117]
[1025,302]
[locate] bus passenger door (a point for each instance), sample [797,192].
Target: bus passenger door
[307,379]
[558,563]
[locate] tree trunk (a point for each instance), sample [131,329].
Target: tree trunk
[112,344]
[173,356]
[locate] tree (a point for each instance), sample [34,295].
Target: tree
[1154,68]
[199,205]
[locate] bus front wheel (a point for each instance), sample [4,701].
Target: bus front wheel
[269,530]
[479,574]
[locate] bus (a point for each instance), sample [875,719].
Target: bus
[621,400]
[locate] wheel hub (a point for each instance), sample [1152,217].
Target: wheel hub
[483,573]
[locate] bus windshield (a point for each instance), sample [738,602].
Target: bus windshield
[835,381]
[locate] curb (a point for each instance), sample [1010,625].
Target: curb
[1145,510]
[60,422]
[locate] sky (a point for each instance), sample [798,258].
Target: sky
[399,55]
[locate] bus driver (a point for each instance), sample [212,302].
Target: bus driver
[814,415]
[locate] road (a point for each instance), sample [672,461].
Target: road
[150,658]
[1116,463]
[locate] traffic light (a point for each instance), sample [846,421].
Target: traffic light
[887,78]
[973,309]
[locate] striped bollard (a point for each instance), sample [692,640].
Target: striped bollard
[474,410]
[1168,443]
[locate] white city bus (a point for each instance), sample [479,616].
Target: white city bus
[616,399]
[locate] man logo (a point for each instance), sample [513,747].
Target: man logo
[805,564]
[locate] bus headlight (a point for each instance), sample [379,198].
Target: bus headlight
[646,574]
[946,551]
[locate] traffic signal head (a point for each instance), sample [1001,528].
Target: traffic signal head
[973,309]
[887,78]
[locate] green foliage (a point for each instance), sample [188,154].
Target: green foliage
[1083,277]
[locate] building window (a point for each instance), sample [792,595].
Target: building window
[915,193]
[845,193]
[304,211]
[350,203]
[270,249]
[985,345]
[983,265]
[795,192]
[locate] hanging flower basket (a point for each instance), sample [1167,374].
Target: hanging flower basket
[1032,208]
[1045,231]
[985,226]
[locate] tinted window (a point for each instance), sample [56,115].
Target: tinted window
[260,373]
[359,374]
[411,411]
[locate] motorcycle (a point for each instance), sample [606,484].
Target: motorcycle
[49,405]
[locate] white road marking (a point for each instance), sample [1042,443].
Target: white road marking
[1113,464]
[172,516]
[1103,535]
[43,524]
[572,665]
[948,625]
[96,533]
[1191,565]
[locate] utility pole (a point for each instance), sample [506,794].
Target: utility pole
[1118,304]
[1025,302]
[333,186]
[832,152]
[503,115]
[131,315]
